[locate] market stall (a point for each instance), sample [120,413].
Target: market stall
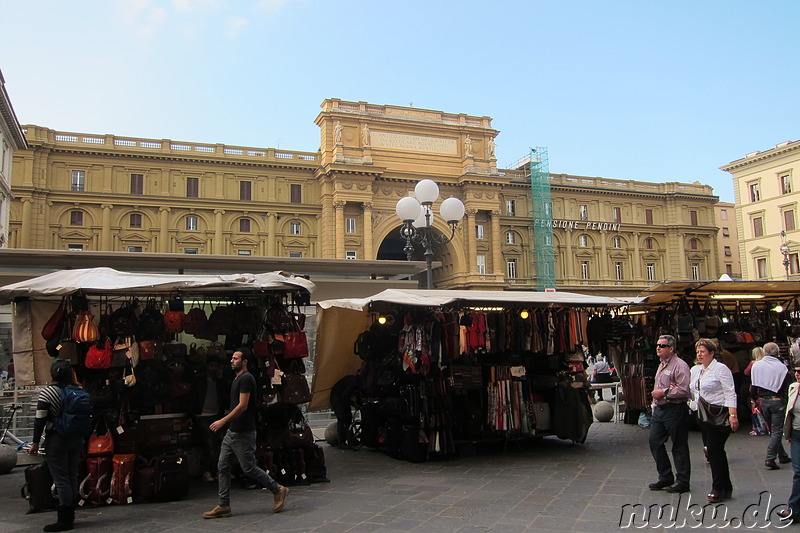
[740,315]
[439,367]
[140,342]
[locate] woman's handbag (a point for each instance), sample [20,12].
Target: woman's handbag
[100,444]
[99,355]
[56,321]
[295,389]
[295,345]
[713,417]
[85,330]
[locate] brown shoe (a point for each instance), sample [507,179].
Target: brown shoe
[280,498]
[218,512]
[771,465]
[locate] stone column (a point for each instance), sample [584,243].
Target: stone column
[338,229]
[105,231]
[682,255]
[497,246]
[368,249]
[27,221]
[472,244]
[603,258]
[163,236]
[218,244]
[271,237]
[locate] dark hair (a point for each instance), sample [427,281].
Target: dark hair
[247,355]
[61,372]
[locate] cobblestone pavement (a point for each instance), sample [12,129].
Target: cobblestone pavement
[551,485]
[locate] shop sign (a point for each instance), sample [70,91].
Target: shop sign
[580,225]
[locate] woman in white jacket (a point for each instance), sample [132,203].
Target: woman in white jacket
[791,432]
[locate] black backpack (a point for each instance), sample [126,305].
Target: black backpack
[151,323]
[366,345]
[76,418]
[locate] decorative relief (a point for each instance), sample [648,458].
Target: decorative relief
[339,204]
[363,186]
[346,185]
[490,195]
[477,195]
[366,206]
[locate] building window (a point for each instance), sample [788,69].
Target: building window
[192,187]
[244,252]
[617,215]
[295,254]
[191,223]
[137,183]
[78,183]
[727,251]
[295,191]
[294,227]
[481,259]
[190,251]
[76,218]
[135,249]
[136,220]
[758,227]
[794,263]
[788,219]
[648,243]
[349,225]
[548,209]
[693,244]
[350,254]
[244,225]
[479,231]
[650,268]
[584,269]
[583,241]
[511,268]
[755,192]
[695,271]
[584,212]
[617,242]
[693,218]
[648,217]
[729,269]
[246,190]
[510,207]
[618,270]
[510,238]
[723,214]
[726,232]
[786,184]
[75,247]
[548,239]
[761,268]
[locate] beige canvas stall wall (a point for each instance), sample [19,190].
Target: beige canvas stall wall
[337,330]
[31,360]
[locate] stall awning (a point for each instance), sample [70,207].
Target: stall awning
[671,291]
[436,298]
[104,280]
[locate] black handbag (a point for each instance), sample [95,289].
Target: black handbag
[713,417]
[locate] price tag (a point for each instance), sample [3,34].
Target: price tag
[120,430]
[303,476]
[109,501]
[80,503]
[130,499]
[283,471]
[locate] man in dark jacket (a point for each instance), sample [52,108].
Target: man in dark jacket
[343,396]
[209,401]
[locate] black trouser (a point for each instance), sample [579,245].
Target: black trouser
[344,416]
[717,458]
[671,421]
[603,377]
[63,454]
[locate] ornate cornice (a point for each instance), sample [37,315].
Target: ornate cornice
[758,157]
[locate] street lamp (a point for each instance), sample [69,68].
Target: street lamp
[416,212]
[785,251]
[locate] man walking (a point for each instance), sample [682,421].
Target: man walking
[770,381]
[670,418]
[240,439]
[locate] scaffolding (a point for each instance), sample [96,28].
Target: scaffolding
[542,219]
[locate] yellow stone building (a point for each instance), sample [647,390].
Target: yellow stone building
[111,193]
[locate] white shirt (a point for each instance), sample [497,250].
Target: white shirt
[715,385]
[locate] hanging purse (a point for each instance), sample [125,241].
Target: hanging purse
[99,355]
[100,444]
[85,330]
[54,324]
[129,377]
[295,389]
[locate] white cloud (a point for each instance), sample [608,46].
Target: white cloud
[235,26]
[188,6]
[271,5]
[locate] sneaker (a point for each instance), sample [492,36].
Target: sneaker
[280,498]
[218,512]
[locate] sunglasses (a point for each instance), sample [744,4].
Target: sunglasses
[796,370]
[662,345]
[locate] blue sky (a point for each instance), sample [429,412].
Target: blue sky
[642,90]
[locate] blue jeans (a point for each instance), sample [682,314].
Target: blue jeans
[794,498]
[243,446]
[63,454]
[774,412]
[671,421]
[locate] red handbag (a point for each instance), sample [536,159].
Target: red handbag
[85,330]
[99,355]
[295,345]
[100,444]
[55,322]
[261,349]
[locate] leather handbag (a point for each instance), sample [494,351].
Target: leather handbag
[85,330]
[147,350]
[100,444]
[295,389]
[295,345]
[56,321]
[68,351]
[713,417]
[99,355]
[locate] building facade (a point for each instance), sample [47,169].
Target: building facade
[728,240]
[110,193]
[767,195]
[11,139]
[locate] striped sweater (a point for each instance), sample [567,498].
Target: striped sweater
[47,408]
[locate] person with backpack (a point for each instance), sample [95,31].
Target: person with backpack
[64,411]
